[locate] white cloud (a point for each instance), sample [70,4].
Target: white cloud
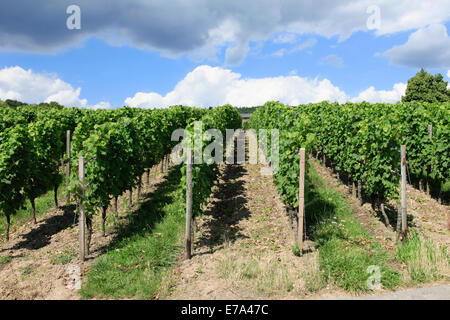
[387,96]
[448,76]
[428,47]
[404,15]
[235,55]
[304,45]
[286,37]
[279,53]
[300,47]
[333,60]
[27,86]
[212,86]
[101,105]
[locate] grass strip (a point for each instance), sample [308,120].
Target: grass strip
[346,248]
[137,263]
[425,260]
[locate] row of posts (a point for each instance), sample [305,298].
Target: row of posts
[81,177]
[188,233]
[301,196]
[301,200]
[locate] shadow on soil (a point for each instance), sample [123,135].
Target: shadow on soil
[41,236]
[227,211]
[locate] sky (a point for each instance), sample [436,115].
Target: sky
[157,53]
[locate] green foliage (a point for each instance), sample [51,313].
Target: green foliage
[11,117]
[425,87]
[13,103]
[62,258]
[205,174]
[22,216]
[296,250]
[361,140]
[45,146]
[119,145]
[293,127]
[5,259]
[112,162]
[246,109]
[15,160]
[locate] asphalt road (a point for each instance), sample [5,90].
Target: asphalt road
[441,292]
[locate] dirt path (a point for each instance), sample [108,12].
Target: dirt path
[243,244]
[37,257]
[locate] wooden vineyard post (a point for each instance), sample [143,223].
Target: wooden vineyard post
[116,211]
[403,193]
[68,151]
[349,183]
[139,188]
[188,235]
[82,218]
[429,167]
[301,199]
[359,194]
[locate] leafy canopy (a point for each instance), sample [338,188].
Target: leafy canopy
[425,87]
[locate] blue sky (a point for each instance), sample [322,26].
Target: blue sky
[228,59]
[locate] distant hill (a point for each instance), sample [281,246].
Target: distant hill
[249,110]
[8,103]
